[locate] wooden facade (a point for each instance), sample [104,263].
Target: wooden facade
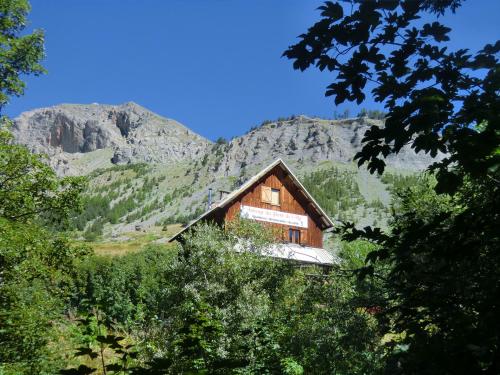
[275,189]
[290,200]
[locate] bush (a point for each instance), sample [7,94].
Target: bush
[209,308]
[35,276]
[128,289]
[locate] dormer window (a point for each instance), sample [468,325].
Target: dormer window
[270,195]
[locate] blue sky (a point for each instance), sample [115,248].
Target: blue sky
[215,66]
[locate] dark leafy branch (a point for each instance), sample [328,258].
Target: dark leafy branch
[434,97]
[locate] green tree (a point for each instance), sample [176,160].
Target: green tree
[35,268]
[442,250]
[20,54]
[207,308]
[35,261]
[29,188]
[443,261]
[228,311]
[433,97]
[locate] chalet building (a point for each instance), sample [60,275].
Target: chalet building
[276,197]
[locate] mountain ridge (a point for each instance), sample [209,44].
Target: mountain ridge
[129,133]
[145,170]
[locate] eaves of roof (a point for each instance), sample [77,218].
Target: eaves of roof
[236,193]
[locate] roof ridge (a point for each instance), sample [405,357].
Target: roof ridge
[235,193]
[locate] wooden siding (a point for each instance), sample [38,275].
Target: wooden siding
[291,200]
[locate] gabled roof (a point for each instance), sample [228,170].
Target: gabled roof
[243,188]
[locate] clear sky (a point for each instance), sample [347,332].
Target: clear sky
[215,66]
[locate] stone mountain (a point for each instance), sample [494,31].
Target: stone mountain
[126,133]
[81,138]
[145,170]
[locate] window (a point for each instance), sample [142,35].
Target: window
[294,236]
[270,195]
[275,197]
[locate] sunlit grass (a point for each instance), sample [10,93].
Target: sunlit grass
[131,242]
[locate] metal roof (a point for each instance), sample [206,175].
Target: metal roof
[236,193]
[290,251]
[302,254]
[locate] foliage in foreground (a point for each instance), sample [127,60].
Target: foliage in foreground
[20,52]
[442,287]
[434,97]
[443,250]
[217,311]
[35,262]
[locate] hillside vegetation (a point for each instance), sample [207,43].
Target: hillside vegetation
[145,171]
[128,198]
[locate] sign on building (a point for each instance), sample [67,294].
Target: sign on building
[271,216]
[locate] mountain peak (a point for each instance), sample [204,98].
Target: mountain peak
[133,105]
[126,133]
[81,137]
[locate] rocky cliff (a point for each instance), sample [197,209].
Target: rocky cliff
[307,140]
[81,138]
[126,133]
[180,165]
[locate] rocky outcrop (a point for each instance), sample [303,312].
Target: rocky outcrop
[130,132]
[305,140]
[80,138]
